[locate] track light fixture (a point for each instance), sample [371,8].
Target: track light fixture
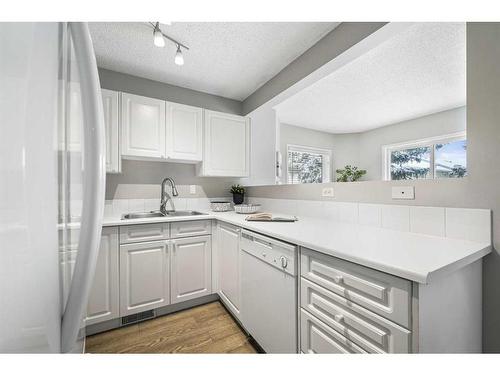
[179,59]
[159,41]
[158,36]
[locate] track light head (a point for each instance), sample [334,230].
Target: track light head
[179,59]
[158,39]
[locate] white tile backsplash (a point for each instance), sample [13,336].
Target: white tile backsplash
[396,217]
[427,220]
[309,209]
[370,214]
[468,224]
[108,208]
[348,212]
[151,204]
[460,223]
[120,207]
[331,210]
[136,205]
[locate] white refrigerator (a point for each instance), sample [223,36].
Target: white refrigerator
[52,181]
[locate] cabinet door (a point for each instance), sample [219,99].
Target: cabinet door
[191,268]
[103,301]
[226,149]
[184,132]
[110,108]
[144,276]
[143,127]
[228,248]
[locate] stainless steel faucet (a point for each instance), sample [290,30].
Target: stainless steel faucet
[165,197]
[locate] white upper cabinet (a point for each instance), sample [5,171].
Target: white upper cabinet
[226,148]
[184,132]
[110,103]
[143,127]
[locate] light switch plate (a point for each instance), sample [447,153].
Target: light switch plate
[327,192]
[192,189]
[403,192]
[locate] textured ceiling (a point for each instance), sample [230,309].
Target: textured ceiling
[229,59]
[417,72]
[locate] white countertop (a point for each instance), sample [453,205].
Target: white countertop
[412,256]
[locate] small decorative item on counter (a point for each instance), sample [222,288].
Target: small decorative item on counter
[238,192]
[350,174]
[220,206]
[246,208]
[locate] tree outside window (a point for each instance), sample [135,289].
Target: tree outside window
[441,157]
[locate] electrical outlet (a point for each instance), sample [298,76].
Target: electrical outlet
[403,192]
[192,189]
[327,192]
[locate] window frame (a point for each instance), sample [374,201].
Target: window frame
[326,173]
[425,142]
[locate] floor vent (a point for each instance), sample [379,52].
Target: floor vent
[134,318]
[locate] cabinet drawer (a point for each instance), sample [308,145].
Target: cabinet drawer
[318,338]
[384,294]
[144,232]
[363,327]
[190,228]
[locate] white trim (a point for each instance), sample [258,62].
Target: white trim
[424,142]
[327,173]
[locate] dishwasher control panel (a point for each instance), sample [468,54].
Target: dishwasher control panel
[277,253]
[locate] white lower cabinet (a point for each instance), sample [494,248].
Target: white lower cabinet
[103,303]
[144,276]
[318,338]
[228,255]
[191,275]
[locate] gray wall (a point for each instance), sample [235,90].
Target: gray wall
[141,86]
[365,149]
[481,189]
[141,179]
[330,46]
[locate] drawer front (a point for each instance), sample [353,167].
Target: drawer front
[384,294]
[144,232]
[318,338]
[190,228]
[361,326]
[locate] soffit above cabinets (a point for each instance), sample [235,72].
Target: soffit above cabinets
[229,59]
[421,70]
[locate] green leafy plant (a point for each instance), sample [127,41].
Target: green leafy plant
[237,189]
[349,174]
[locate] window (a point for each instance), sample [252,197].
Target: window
[438,157]
[307,165]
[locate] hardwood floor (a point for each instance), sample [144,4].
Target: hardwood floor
[203,329]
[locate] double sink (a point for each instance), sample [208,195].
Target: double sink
[153,214]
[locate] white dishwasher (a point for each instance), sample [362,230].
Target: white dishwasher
[269,292]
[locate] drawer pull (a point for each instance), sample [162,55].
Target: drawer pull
[339,279]
[339,318]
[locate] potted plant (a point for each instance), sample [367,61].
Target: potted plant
[238,194]
[349,174]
